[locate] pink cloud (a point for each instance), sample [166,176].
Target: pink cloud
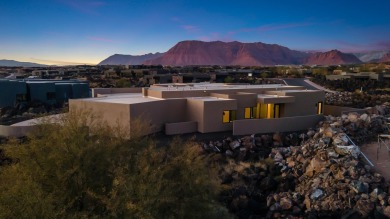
[190,28]
[101,39]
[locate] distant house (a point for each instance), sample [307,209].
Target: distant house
[178,108]
[46,91]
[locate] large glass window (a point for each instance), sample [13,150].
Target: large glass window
[228,116]
[250,112]
[268,111]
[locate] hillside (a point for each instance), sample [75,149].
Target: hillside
[333,57]
[228,53]
[13,63]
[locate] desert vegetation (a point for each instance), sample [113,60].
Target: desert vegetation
[79,170]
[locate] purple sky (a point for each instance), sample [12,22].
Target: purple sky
[88,31]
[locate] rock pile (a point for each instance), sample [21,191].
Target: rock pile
[329,177]
[254,147]
[356,99]
[25,111]
[318,173]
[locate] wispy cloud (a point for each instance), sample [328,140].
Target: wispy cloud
[190,28]
[84,6]
[58,62]
[358,47]
[100,39]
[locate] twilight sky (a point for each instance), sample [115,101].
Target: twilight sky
[88,31]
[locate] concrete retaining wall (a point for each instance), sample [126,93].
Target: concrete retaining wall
[339,110]
[15,131]
[286,124]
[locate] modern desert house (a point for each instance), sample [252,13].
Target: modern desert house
[209,107]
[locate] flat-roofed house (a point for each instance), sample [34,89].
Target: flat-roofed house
[211,107]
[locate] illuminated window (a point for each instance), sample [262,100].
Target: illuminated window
[228,116]
[248,113]
[319,108]
[268,111]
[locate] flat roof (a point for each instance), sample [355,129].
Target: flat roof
[208,98]
[213,86]
[129,98]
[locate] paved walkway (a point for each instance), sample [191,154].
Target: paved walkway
[319,87]
[382,163]
[33,122]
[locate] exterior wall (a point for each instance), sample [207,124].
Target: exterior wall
[305,104]
[176,92]
[195,112]
[158,113]
[63,92]
[39,92]
[287,124]
[181,128]
[212,117]
[113,113]
[9,90]
[79,90]
[339,110]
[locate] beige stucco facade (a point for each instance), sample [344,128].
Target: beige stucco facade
[205,108]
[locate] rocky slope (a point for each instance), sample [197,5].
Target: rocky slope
[119,59]
[370,56]
[333,57]
[228,53]
[385,58]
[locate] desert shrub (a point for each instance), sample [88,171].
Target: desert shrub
[79,167]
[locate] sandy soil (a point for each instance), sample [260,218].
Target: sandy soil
[379,156]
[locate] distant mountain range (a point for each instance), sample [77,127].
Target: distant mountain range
[245,54]
[119,59]
[371,56]
[333,57]
[385,58]
[13,63]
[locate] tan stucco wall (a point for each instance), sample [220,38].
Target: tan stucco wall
[287,124]
[213,111]
[113,113]
[181,128]
[195,112]
[157,113]
[304,104]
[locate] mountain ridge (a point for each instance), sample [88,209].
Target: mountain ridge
[196,52]
[120,59]
[14,63]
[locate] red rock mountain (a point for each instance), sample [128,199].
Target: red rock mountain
[333,57]
[228,53]
[385,58]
